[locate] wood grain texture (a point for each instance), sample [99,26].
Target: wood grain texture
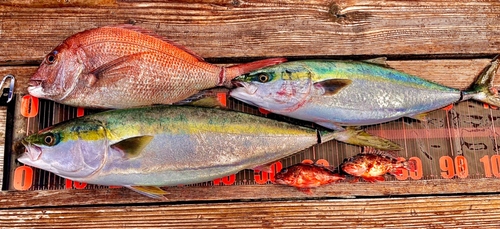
[455,73]
[414,212]
[247,30]
[233,28]
[46,198]
[3,117]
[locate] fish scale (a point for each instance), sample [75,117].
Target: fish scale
[126,66]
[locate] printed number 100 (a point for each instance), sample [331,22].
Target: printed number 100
[492,168]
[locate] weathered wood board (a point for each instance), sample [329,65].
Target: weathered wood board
[413,212]
[243,29]
[448,42]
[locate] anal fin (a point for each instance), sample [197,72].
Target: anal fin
[151,191]
[421,117]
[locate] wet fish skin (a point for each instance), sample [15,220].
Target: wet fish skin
[305,176]
[371,165]
[126,66]
[163,145]
[336,94]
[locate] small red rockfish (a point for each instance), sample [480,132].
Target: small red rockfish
[305,176]
[372,165]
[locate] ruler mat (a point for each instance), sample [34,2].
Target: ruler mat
[457,142]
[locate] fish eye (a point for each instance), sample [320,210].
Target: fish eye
[263,78]
[284,170]
[50,139]
[51,58]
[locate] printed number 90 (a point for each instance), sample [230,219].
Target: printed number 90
[451,167]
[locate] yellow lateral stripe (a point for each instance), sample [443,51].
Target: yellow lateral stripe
[181,128]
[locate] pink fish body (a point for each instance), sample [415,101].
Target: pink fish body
[127,66]
[372,165]
[304,176]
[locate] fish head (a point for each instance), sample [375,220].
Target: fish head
[354,166]
[73,150]
[279,88]
[58,73]
[288,176]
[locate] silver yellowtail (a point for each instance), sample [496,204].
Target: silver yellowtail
[336,94]
[144,148]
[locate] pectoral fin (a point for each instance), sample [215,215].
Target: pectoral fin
[354,136]
[115,69]
[333,86]
[151,191]
[132,147]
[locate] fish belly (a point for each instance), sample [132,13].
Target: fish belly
[371,102]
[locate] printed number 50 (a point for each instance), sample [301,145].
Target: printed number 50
[417,175]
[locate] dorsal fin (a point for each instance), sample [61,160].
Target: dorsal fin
[152,34]
[370,150]
[380,61]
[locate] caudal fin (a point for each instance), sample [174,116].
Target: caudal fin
[240,69]
[359,137]
[482,90]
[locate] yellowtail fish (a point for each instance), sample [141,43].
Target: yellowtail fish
[336,94]
[144,148]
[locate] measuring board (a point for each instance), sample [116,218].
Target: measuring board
[456,142]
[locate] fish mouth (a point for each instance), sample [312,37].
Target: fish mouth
[237,84]
[33,152]
[244,88]
[35,83]
[35,88]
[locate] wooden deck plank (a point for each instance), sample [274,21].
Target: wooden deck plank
[47,198]
[410,212]
[216,29]
[254,29]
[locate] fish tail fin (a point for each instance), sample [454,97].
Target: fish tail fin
[229,73]
[359,137]
[482,90]
[410,165]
